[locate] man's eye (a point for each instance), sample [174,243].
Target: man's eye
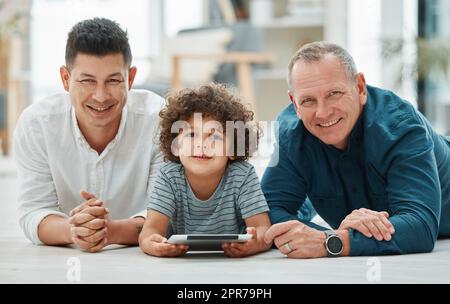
[306,102]
[336,94]
[114,81]
[87,81]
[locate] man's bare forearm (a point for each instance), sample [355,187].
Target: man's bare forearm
[125,232]
[55,230]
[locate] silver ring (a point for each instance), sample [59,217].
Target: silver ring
[288,248]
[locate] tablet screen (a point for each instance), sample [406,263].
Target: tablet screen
[218,237]
[207,242]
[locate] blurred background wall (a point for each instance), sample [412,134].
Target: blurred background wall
[401,45]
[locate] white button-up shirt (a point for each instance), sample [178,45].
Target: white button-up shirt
[55,162]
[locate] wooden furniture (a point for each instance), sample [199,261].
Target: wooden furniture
[15,65]
[243,63]
[15,84]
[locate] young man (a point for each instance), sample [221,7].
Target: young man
[96,141]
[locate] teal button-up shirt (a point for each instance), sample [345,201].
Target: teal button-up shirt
[394,162]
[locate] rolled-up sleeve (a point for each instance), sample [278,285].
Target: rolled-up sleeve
[37,197]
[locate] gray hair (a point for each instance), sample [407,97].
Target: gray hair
[315,51]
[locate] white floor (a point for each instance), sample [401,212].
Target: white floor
[23,262]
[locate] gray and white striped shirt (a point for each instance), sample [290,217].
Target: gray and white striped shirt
[237,197]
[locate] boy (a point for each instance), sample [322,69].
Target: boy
[208,187]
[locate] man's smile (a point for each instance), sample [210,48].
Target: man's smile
[100,109]
[329,123]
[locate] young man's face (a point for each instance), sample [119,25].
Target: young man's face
[327,101]
[202,147]
[98,88]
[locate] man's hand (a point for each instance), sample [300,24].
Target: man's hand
[296,240]
[91,201]
[89,228]
[240,250]
[370,223]
[157,245]
[89,224]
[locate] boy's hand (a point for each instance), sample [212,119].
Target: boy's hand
[240,250]
[157,245]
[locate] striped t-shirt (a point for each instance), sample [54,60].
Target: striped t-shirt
[237,197]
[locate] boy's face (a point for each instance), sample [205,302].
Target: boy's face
[202,147]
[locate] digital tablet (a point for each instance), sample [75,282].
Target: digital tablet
[207,242]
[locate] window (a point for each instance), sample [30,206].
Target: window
[182,14]
[434,92]
[364,24]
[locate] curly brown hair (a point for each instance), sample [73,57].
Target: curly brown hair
[212,100]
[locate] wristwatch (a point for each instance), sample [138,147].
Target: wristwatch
[333,244]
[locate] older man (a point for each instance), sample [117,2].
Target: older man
[99,138]
[371,165]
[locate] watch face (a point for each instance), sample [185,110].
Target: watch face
[334,245]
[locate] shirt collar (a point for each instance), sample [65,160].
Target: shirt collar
[357,130]
[355,136]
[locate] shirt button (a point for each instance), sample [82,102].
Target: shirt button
[354,189]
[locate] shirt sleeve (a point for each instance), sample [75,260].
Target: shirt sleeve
[155,166]
[157,159]
[162,198]
[37,196]
[251,199]
[414,194]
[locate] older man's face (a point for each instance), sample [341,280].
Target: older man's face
[326,100]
